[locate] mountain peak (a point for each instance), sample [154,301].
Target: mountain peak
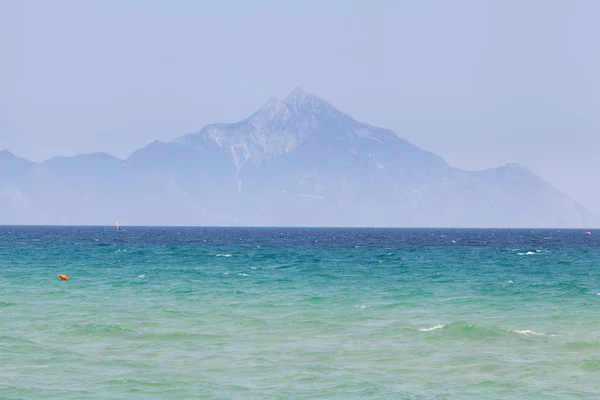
[298,92]
[298,103]
[299,97]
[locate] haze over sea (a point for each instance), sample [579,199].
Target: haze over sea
[245,313]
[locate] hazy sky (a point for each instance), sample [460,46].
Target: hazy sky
[480,83]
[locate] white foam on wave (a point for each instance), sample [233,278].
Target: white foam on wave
[361,306]
[529,332]
[141,276]
[243,274]
[433,328]
[529,253]
[225,273]
[224,255]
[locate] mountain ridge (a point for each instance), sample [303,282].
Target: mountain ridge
[296,161]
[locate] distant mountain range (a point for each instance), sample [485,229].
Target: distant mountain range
[296,162]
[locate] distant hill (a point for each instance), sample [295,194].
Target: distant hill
[296,162]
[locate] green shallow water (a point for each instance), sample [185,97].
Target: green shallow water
[174,313]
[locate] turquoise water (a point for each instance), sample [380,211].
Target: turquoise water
[182,313]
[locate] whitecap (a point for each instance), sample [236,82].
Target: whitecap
[243,274]
[529,332]
[225,273]
[510,282]
[223,255]
[141,276]
[529,253]
[433,328]
[361,306]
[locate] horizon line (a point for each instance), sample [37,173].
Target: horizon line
[285,227]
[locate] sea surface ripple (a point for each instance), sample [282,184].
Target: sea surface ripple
[282,313]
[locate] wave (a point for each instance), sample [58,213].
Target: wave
[168,336]
[415,293]
[529,253]
[19,340]
[530,332]
[7,304]
[224,255]
[591,365]
[582,345]
[101,328]
[142,383]
[468,330]
[433,328]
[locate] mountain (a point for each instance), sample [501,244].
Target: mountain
[294,162]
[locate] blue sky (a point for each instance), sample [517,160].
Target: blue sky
[480,83]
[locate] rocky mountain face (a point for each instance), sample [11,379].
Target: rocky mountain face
[296,162]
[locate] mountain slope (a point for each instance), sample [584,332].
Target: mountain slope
[299,161]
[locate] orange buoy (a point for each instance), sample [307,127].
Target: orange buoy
[63,277]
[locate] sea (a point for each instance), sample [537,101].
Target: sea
[298,313]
